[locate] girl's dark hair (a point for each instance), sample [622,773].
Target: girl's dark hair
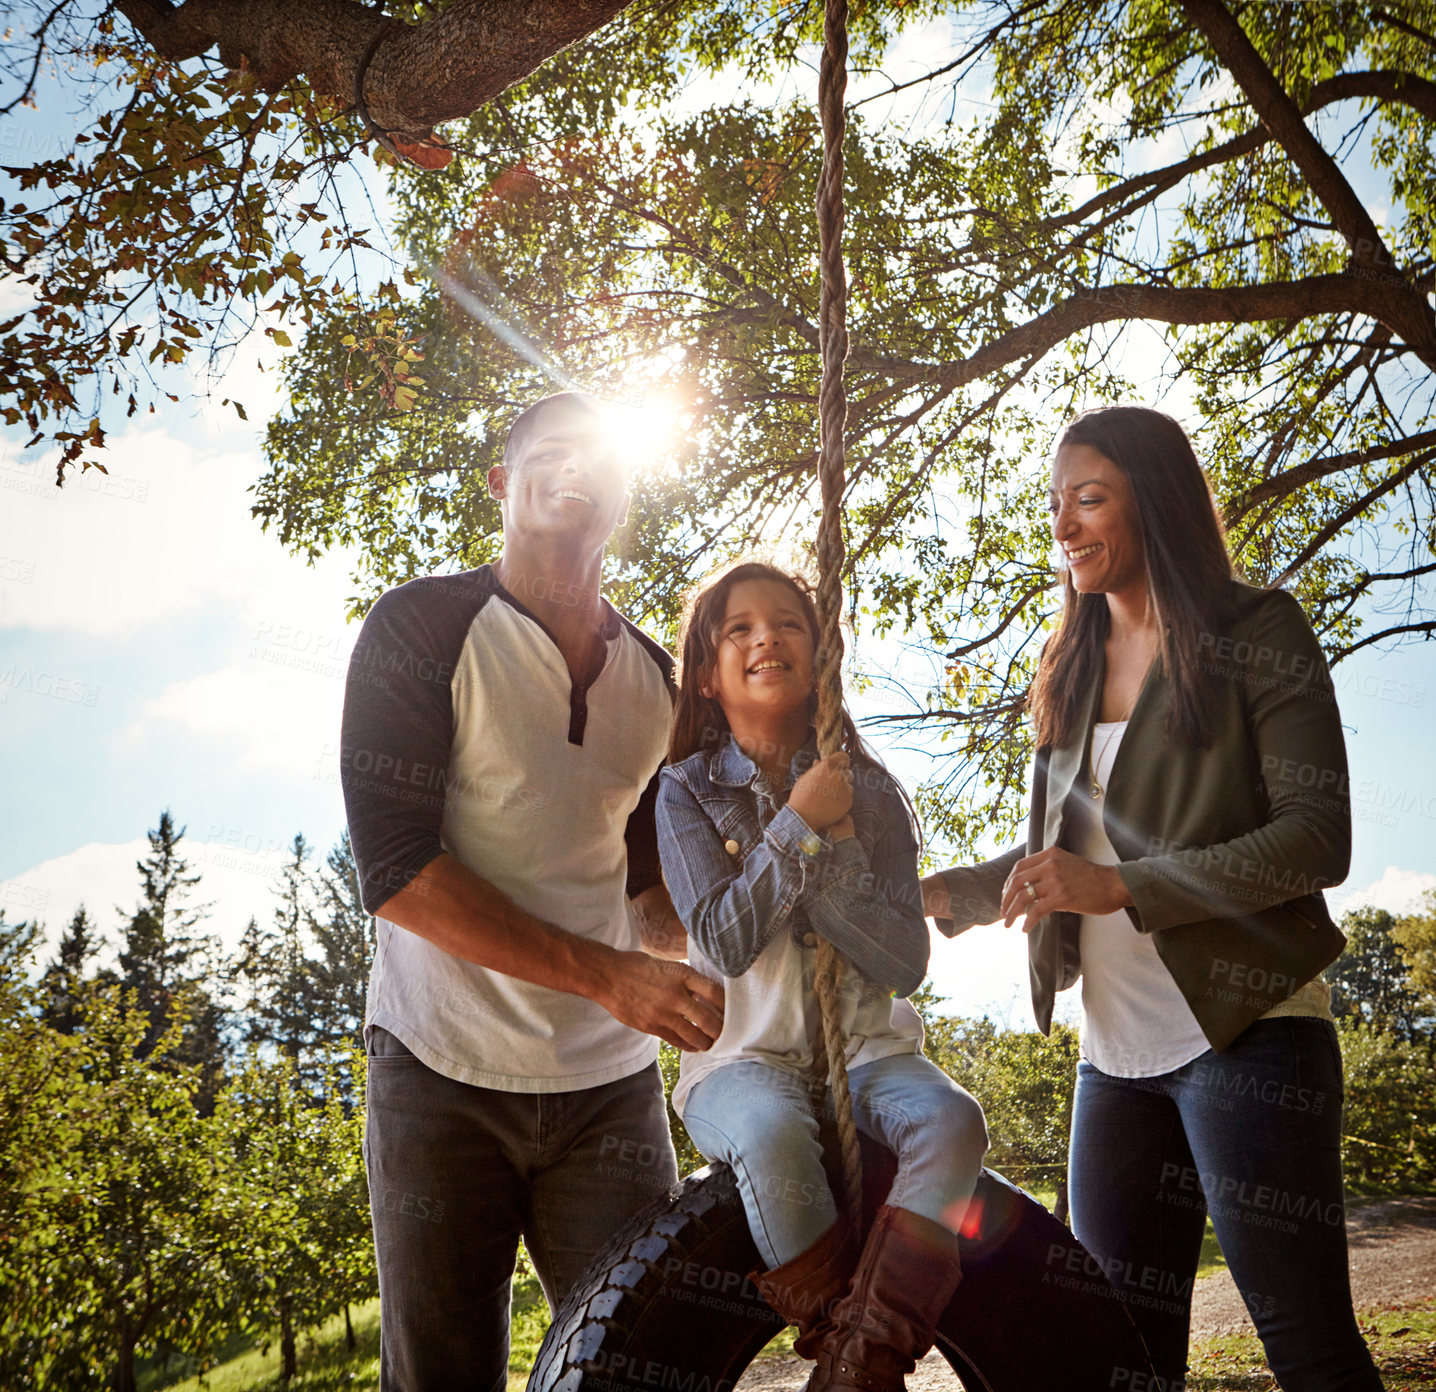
[1189,576]
[698,720]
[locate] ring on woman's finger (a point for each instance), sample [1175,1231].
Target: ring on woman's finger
[1031,893]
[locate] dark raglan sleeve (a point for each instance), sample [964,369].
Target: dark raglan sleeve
[641,838]
[641,833]
[398,729]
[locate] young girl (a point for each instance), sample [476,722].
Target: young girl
[764,846]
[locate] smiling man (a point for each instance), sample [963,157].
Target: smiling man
[502,734]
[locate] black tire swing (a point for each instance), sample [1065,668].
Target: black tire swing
[668,1305]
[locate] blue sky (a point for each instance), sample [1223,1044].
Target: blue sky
[158,650]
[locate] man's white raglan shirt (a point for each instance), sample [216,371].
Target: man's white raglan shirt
[463,732]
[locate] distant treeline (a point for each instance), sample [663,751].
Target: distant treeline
[180,1132]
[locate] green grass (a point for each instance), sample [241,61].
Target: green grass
[251,1364]
[325,1363]
[1403,1343]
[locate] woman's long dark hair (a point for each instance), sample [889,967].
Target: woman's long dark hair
[1189,575]
[698,720]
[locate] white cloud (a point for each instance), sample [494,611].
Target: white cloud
[167,532]
[276,704]
[1397,891]
[278,709]
[237,875]
[15,297]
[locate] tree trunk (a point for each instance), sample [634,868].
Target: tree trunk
[418,75]
[288,1362]
[125,1370]
[349,1341]
[1059,1209]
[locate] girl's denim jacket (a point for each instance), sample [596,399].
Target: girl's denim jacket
[741,866]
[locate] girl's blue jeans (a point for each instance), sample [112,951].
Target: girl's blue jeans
[759,1120]
[1253,1137]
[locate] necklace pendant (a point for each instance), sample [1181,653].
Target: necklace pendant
[1096,789]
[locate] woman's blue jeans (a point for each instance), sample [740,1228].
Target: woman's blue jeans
[1253,1137]
[759,1120]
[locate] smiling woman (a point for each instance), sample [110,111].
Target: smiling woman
[1174,861]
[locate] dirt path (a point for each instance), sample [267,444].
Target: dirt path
[1393,1265]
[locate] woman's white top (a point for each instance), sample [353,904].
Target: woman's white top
[1135,1021]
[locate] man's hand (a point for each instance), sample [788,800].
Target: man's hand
[668,999]
[823,795]
[1054,881]
[462,913]
[659,925]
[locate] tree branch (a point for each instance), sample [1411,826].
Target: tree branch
[1414,91]
[1022,601]
[1419,93]
[1370,578]
[420,75]
[1289,480]
[1396,22]
[1385,300]
[1428,628]
[38,38]
[1280,115]
[1349,514]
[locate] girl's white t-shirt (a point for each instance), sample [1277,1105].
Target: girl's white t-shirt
[771,1014]
[1135,1021]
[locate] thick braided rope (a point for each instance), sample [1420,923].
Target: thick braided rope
[832,414]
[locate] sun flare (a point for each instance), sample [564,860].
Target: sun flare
[648,416]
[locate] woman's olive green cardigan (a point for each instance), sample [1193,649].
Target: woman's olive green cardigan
[1224,849]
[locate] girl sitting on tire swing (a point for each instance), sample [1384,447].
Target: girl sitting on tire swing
[765,845]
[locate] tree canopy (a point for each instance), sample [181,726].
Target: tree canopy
[210,137]
[1077,202]
[1079,199]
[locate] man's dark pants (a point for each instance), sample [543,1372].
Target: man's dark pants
[458,1174]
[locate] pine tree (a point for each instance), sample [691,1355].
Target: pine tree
[164,963]
[160,944]
[17,949]
[280,1006]
[64,978]
[304,978]
[345,934]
